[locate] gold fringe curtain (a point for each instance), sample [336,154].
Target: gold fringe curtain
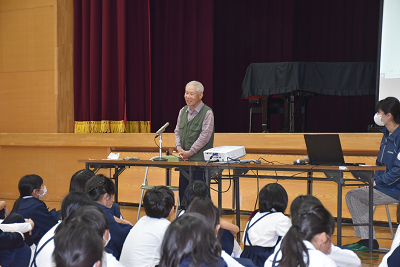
[112,127]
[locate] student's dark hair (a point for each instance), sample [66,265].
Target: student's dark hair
[390,105]
[158,202]
[26,185]
[299,200]
[79,180]
[98,185]
[195,189]
[273,197]
[73,201]
[91,215]
[312,219]
[77,245]
[190,236]
[206,207]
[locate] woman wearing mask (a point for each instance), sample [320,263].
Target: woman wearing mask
[386,183]
[29,205]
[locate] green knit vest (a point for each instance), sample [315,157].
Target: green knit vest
[190,131]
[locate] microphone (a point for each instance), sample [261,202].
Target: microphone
[161,130]
[301,161]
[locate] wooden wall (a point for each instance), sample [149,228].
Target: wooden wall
[55,158]
[36,66]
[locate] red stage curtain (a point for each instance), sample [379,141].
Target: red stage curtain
[182,50]
[100,62]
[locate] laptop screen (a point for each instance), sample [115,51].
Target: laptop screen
[324,149]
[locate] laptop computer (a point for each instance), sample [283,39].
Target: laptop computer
[325,149]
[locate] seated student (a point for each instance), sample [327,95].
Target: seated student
[143,244]
[12,244]
[44,250]
[228,230]
[94,217]
[267,226]
[392,258]
[190,241]
[17,256]
[102,190]
[78,245]
[206,207]
[78,184]
[342,257]
[29,205]
[308,240]
[3,210]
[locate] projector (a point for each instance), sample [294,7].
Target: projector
[224,153]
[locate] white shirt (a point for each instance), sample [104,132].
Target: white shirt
[109,260]
[44,257]
[231,262]
[317,258]
[142,246]
[19,227]
[341,257]
[265,232]
[395,244]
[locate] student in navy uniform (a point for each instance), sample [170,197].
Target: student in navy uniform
[29,205]
[13,250]
[228,230]
[78,184]
[206,207]
[102,190]
[190,241]
[266,226]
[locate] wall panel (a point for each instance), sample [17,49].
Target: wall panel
[27,102]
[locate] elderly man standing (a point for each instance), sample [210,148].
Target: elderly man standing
[194,132]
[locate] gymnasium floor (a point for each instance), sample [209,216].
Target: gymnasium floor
[367,259]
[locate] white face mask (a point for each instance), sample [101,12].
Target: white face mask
[378,120]
[44,192]
[108,240]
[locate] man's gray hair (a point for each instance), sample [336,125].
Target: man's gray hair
[198,85]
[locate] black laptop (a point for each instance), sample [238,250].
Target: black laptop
[325,149]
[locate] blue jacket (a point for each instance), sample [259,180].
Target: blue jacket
[388,181]
[10,240]
[36,210]
[118,232]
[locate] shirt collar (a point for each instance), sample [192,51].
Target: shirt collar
[198,108]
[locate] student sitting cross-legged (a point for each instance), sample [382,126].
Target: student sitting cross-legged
[142,246]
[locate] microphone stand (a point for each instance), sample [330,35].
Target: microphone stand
[160,158]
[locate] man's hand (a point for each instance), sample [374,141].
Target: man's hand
[184,155]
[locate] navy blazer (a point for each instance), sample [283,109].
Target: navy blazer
[37,210]
[10,240]
[118,232]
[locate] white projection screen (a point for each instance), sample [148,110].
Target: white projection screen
[389,52]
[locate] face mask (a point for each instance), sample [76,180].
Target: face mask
[109,238]
[378,120]
[44,192]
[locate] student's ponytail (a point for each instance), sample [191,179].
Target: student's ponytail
[311,220]
[26,185]
[293,248]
